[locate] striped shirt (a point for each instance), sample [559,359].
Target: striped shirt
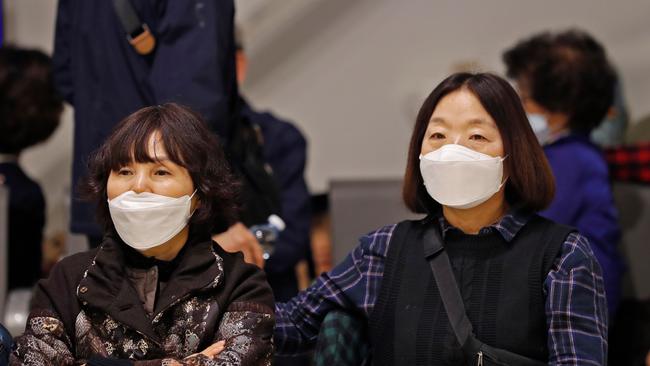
[576,310]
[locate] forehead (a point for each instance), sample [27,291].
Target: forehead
[461,108]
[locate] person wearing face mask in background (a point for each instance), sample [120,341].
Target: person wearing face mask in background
[482,279]
[158,290]
[567,86]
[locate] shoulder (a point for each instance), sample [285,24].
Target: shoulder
[274,128]
[576,255]
[72,267]
[376,242]
[244,282]
[584,155]
[61,285]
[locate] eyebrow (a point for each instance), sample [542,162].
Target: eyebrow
[473,121]
[479,121]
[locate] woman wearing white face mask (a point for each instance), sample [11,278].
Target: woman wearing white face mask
[157,291]
[482,279]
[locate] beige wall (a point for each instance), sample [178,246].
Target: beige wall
[352,74]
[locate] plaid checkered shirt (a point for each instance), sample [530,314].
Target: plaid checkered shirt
[629,163]
[576,310]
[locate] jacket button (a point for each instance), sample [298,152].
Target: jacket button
[83,289]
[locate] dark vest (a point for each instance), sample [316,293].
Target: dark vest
[501,284]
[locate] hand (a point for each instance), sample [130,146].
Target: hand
[213,350]
[239,239]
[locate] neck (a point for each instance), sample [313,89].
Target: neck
[170,249]
[472,220]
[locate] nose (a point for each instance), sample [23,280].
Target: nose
[141,183]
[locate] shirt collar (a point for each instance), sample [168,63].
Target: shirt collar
[508,226]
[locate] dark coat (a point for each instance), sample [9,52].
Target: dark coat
[285,150]
[99,73]
[26,223]
[89,307]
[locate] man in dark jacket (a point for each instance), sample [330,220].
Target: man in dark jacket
[105,79]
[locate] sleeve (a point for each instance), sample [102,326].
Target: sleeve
[62,56]
[288,163]
[584,199]
[576,309]
[247,325]
[352,285]
[46,340]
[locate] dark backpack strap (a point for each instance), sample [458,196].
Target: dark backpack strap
[260,194]
[137,33]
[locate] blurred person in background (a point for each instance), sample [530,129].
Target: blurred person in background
[30,109]
[567,86]
[612,129]
[285,153]
[158,290]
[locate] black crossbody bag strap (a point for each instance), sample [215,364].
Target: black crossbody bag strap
[452,301]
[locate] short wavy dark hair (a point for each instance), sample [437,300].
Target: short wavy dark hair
[30,107]
[530,182]
[188,143]
[567,72]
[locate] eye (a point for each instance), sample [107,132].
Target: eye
[477,137]
[437,136]
[162,172]
[124,171]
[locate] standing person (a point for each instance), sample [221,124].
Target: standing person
[523,283]
[30,109]
[104,77]
[567,86]
[158,290]
[285,151]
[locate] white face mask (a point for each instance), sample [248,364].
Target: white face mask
[459,177]
[146,220]
[539,123]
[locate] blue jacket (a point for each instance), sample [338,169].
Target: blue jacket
[105,80]
[285,149]
[583,199]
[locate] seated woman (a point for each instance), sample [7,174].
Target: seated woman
[157,291]
[531,288]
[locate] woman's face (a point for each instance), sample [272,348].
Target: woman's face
[163,177]
[460,118]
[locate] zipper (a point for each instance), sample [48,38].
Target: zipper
[480,358]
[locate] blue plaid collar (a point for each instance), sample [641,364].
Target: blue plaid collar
[508,226]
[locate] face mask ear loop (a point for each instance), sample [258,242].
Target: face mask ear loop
[193,211]
[506,179]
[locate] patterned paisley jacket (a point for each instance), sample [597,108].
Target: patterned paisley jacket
[88,308]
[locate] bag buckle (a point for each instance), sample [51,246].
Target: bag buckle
[142,40]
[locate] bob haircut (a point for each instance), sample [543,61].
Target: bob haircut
[188,143]
[530,182]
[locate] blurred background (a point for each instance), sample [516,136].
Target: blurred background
[352,74]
